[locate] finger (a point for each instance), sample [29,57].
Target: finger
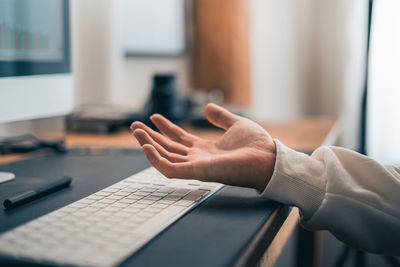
[220,117]
[144,138]
[168,144]
[181,170]
[173,131]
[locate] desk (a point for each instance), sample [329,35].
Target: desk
[303,134]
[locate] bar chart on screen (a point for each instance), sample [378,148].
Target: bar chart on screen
[18,39]
[26,37]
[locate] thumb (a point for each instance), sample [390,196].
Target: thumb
[219,116]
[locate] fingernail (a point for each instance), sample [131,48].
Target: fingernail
[132,125]
[155,115]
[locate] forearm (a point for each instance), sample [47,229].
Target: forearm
[352,196]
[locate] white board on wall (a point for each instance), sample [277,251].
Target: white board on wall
[152,27]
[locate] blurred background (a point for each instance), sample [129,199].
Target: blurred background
[270,60]
[298,58]
[278,59]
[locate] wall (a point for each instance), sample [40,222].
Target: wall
[306,57]
[340,63]
[309,59]
[282,41]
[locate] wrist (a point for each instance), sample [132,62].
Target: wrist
[269,167]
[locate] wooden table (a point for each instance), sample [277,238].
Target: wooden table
[305,134]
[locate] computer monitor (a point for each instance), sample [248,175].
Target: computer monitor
[35,60]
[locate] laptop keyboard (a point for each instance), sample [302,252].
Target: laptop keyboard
[105,228]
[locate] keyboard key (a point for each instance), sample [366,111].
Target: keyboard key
[110,209]
[120,205]
[127,201]
[185,203]
[83,224]
[86,201]
[123,214]
[172,197]
[132,210]
[60,224]
[152,198]
[195,196]
[141,193]
[166,201]
[71,219]
[110,190]
[207,188]
[159,194]
[159,183]
[159,205]
[57,214]
[149,189]
[139,205]
[78,205]
[134,197]
[200,192]
[117,186]
[181,192]
[166,190]
[122,193]
[107,201]
[81,214]
[102,194]
[103,213]
[89,209]
[96,197]
[98,205]
[145,202]
[114,197]
[104,224]
[114,219]
[68,209]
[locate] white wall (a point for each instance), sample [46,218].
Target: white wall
[340,63]
[309,59]
[281,45]
[305,55]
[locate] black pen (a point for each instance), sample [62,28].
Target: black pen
[30,195]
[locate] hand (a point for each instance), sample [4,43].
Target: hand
[243,156]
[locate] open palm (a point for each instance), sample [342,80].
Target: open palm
[243,156]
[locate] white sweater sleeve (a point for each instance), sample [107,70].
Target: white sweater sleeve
[339,190]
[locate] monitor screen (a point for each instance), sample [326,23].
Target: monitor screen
[33,37]
[35,72]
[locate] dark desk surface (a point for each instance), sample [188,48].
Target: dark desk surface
[232,227]
[304,134]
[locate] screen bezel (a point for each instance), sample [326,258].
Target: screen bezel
[25,68]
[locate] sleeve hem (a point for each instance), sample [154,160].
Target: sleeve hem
[288,186]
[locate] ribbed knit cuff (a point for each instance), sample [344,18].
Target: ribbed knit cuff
[296,181]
